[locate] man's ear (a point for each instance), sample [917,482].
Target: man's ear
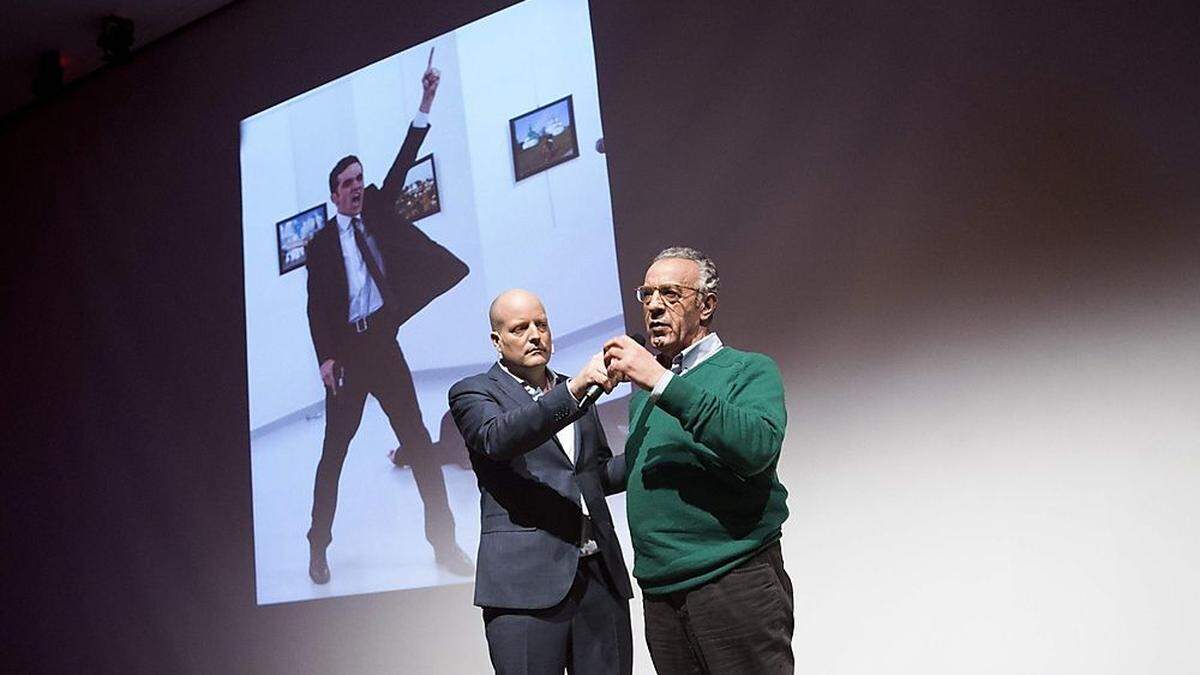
[708,308]
[496,341]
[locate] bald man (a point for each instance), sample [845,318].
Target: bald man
[549,577]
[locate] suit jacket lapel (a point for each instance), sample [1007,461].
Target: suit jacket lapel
[333,252]
[508,385]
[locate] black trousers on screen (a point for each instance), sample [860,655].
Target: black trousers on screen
[739,623]
[587,633]
[375,365]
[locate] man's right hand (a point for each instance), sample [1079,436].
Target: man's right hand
[629,360]
[593,373]
[329,374]
[429,84]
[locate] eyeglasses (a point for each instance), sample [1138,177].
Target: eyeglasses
[670,294]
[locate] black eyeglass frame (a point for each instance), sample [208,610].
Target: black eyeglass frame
[643,294]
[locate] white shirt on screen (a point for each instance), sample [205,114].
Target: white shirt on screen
[364,294]
[365,297]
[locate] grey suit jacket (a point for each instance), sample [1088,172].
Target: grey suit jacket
[530,491]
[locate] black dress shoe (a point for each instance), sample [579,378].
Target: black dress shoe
[318,566]
[452,559]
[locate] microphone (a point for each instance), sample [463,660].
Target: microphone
[594,391]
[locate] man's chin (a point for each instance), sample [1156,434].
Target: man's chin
[663,343]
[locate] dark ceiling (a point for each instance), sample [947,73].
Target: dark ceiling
[71,26]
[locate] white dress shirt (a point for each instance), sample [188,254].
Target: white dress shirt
[694,355]
[365,297]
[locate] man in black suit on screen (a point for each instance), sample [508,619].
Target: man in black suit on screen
[550,575]
[370,270]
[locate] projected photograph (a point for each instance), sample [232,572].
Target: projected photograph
[543,138]
[360,481]
[293,233]
[419,197]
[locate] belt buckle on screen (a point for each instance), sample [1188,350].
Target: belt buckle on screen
[360,325]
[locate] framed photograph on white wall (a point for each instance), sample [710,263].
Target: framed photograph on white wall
[543,138]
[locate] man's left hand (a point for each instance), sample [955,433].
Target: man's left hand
[628,361]
[429,84]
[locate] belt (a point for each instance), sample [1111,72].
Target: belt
[367,322]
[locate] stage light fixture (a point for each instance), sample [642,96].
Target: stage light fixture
[116,38]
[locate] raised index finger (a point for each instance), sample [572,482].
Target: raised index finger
[429,63]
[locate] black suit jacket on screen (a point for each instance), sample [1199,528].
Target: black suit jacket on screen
[418,269]
[531,491]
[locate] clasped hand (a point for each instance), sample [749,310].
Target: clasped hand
[593,372]
[627,361]
[623,360]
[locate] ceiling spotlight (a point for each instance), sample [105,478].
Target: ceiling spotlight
[116,38]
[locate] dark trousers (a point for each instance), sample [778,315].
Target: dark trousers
[587,633]
[375,365]
[739,623]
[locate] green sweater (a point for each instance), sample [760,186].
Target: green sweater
[702,491]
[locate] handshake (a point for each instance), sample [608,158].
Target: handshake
[623,359]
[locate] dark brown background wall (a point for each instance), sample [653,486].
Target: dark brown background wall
[967,232]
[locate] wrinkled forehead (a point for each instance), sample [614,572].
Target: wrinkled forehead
[676,271]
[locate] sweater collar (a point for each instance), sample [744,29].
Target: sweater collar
[696,353]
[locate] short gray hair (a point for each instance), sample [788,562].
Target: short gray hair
[710,281]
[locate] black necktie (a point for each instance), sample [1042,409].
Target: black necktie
[356,225]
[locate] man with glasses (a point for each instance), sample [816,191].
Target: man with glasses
[705,505]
